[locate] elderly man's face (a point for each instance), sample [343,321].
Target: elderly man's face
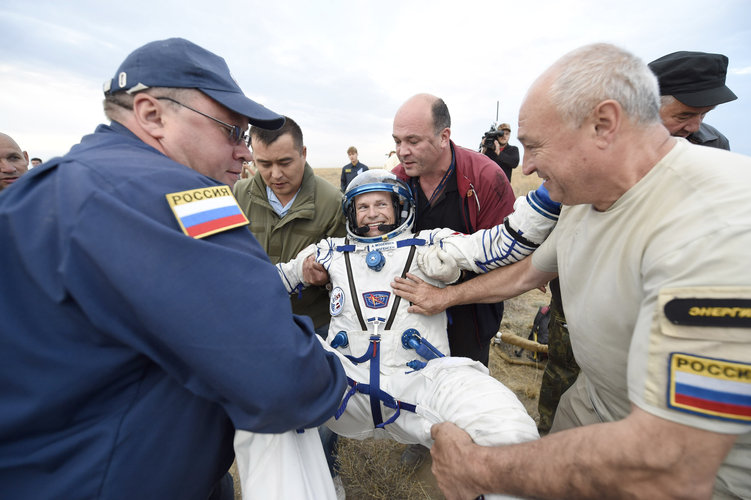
[374,209]
[417,145]
[202,144]
[682,120]
[554,149]
[13,162]
[281,165]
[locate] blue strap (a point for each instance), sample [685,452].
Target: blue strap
[375,381]
[399,406]
[418,242]
[373,390]
[350,393]
[368,354]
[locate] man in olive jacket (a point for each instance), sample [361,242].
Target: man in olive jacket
[289,208]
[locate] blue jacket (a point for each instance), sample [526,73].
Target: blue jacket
[130,351]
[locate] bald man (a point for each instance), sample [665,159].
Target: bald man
[13,162]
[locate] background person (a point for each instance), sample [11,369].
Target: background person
[501,152]
[455,188]
[634,258]
[13,161]
[391,161]
[691,85]
[125,359]
[351,169]
[289,208]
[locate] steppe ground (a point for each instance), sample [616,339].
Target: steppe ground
[370,469]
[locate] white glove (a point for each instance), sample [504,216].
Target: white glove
[438,264]
[291,272]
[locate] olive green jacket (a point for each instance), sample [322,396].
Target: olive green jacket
[315,214]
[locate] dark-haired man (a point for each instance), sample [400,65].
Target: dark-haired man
[289,208]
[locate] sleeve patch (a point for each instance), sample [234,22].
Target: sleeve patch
[205,211]
[710,387]
[722,312]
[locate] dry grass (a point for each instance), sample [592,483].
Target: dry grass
[371,470]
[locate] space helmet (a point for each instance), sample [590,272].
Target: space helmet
[401,196]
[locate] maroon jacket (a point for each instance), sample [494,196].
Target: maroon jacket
[488,197]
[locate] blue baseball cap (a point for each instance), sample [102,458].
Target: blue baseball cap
[179,63]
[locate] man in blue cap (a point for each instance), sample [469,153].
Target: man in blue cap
[691,85]
[126,363]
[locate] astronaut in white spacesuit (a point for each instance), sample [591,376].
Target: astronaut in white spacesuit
[402,378]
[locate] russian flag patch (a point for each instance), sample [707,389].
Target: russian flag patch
[710,387]
[205,211]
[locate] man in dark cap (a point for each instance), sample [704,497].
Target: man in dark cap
[691,85]
[126,363]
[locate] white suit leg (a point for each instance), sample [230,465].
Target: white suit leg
[286,465]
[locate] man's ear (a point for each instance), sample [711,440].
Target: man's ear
[445,137]
[148,112]
[607,118]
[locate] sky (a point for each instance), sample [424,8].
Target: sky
[341,69]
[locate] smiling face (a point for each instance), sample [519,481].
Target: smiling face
[374,209]
[281,165]
[13,162]
[553,148]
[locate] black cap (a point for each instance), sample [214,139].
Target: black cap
[694,78]
[177,62]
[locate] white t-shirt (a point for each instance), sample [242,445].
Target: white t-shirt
[657,296]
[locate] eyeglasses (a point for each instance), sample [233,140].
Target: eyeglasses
[236,134]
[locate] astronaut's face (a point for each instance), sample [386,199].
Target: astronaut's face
[374,209]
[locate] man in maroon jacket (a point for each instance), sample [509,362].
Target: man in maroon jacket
[456,188]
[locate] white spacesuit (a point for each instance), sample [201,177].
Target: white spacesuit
[402,379]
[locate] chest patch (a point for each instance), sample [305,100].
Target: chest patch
[722,312]
[205,211]
[336,304]
[711,387]
[376,300]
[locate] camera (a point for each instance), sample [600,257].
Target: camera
[489,137]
